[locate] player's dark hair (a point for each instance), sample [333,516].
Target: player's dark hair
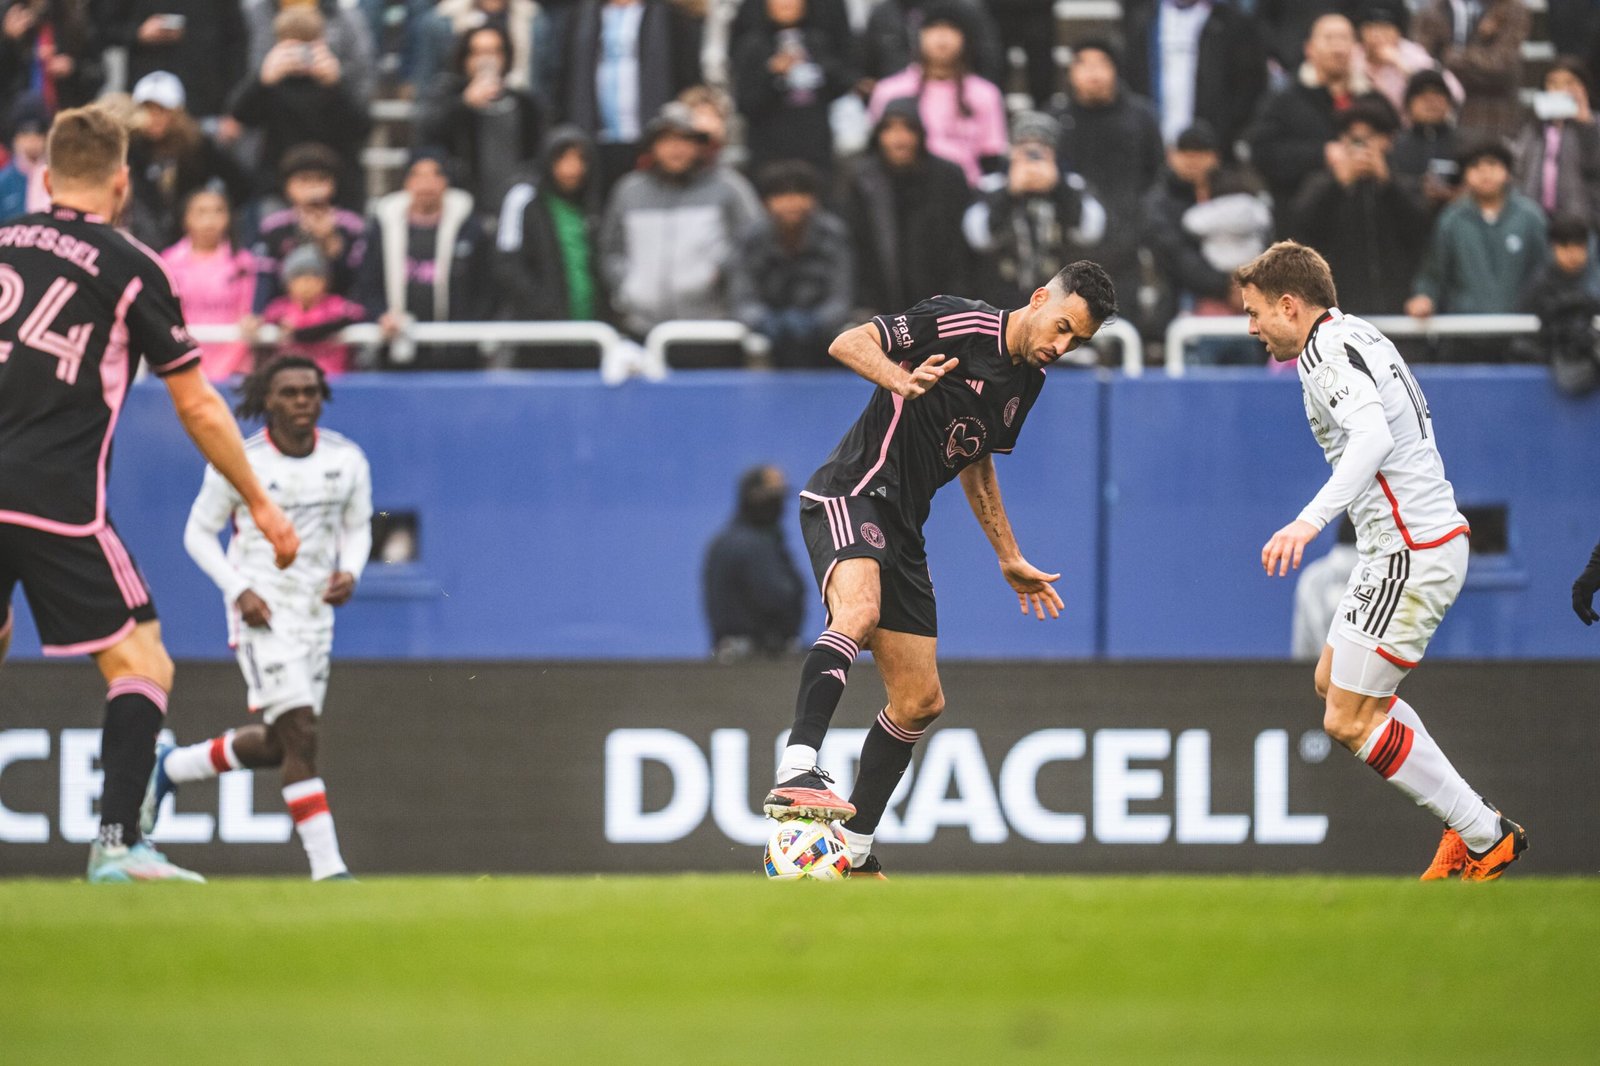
[254,389]
[1293,268]
[86,145]
[1090,281]
[787,176]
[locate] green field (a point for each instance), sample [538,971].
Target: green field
[736,970]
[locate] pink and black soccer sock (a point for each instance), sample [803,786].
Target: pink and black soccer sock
[884,757]
[308,806]
[823,676]
[135,707]
[202,761]
[1408,758]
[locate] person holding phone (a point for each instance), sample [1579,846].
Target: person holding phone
[1558,151]
[49,46]
[1426,149]
[201,41]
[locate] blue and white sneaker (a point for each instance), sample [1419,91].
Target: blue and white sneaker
[159,788]
[141,862]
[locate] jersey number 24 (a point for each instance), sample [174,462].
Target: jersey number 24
[35,332]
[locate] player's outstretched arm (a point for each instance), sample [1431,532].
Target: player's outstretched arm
[1035,588]
[206,418]
[858,349]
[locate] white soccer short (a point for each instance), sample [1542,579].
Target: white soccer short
[286,670]
[1390,609]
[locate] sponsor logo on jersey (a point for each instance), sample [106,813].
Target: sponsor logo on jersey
[964,439]
[872,535]
[902,332]
[1011,409]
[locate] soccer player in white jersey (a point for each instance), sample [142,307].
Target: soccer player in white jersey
[1374,425]
[280,622]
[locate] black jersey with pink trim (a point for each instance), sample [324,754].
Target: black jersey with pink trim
[902,451]
[80,304]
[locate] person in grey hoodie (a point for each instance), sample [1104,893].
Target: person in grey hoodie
[669,232]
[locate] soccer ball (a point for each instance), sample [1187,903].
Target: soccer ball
[806,849]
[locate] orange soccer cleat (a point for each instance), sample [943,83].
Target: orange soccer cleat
[1492,863]
[1449,860]
[808,796]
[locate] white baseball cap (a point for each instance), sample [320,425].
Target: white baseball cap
[161,88]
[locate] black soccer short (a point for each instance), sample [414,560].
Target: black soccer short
[86,593]
[857,527]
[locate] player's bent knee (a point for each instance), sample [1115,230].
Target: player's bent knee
[921,712]
[856,619]
[1343,724]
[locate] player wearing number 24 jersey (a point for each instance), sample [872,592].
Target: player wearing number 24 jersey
[1374,425]
[80,306]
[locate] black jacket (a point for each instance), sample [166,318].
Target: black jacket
[1177,254]
[907,230]
[669,61]
[1372,235]
[752,588]
[783,122]
[887,45]
[210,58]
[296,110]
[529,266]
[449,122]
[1030,239]
[1231,74]
[76,35]
[1289,138]
[155,211]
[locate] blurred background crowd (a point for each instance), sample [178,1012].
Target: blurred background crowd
[795,165]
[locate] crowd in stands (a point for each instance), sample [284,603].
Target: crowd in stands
[796,165]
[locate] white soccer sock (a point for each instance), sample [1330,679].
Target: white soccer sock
[308,806]
[1410,760]
[860,845]
[1402,710]
[202,761]
[797,759]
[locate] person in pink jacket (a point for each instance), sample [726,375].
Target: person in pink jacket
[309,315]
[213,280]
[965,115]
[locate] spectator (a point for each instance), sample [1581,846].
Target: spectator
[1558,153]
[169,158]
[1566,297]
[1387,58]
[711,110]
[794,279]
[455,19]
[1293,137]
[889,41]
[1369,224]
[201,41]
[310,182]
[787,72]
[426,260]
[1285,24]
[1030,26]
[1194,166]
[50,47]
[1029,223]
[490,130]
[1485,248]
[215,282]
[310,316]
[1426,149]
[299,94]
[1481,44]
[754,595]
[1212,65]
[1233,224]
[624,60]
[667,238]
[903,206]
[1110,135]
[964,114]
[345,33]
[22,181]
[546,259]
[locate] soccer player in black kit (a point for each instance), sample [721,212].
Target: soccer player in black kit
[956,378]
[80,305]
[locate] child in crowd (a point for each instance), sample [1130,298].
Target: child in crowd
[214,281]
[1566,297]
[311,316]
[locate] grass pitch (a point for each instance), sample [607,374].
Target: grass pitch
[736,970]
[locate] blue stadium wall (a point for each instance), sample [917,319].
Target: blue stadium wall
[561,519]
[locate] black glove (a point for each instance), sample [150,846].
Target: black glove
[1584,588]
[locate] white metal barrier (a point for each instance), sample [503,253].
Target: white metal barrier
[1127,334]
[1186,328]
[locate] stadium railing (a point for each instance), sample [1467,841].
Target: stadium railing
[1187,328]
[620,358]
